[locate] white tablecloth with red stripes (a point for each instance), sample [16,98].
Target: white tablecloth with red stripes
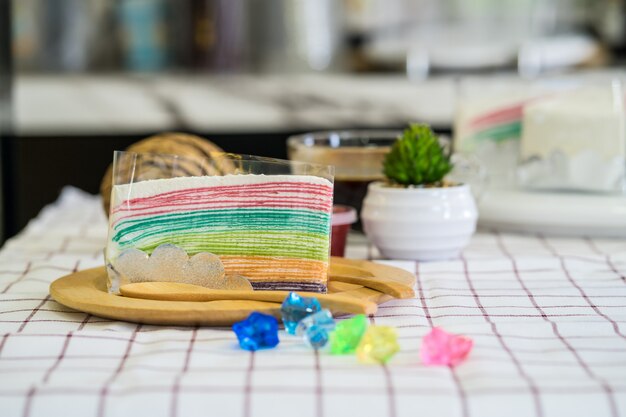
[547,316]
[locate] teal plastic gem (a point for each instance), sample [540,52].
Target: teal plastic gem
[347,335]
[315,329]
[295,308]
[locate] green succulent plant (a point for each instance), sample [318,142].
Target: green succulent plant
[417,158]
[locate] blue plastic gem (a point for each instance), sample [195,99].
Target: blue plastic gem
[315,329]
[295,308]
[256,332]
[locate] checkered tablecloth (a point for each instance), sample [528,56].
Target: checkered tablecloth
[547,316]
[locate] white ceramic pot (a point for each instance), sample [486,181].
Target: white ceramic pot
[423,224]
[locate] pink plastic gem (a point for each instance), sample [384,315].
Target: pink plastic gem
[442,348]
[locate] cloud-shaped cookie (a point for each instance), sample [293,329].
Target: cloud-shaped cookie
[170,263]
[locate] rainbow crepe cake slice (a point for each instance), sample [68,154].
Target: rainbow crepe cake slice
[272,229]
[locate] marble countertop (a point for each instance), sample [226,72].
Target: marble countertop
[128,104]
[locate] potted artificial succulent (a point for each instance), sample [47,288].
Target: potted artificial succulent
[417,214]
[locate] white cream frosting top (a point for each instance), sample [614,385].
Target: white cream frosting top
[149,188]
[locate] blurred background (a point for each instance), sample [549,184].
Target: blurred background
[80,78]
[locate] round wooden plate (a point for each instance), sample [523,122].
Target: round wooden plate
[86,291]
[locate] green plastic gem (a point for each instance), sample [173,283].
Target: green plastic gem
[347,335]
[378,345]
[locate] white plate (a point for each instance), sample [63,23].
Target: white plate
[560,214]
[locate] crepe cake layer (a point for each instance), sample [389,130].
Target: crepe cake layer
[271,229]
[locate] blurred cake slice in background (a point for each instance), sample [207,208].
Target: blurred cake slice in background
[575,141]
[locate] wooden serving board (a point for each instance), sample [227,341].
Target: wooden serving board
[86,291]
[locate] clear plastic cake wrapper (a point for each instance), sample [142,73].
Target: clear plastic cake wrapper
[218,221]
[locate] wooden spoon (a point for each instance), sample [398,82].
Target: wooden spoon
[175,291]
[398,285]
